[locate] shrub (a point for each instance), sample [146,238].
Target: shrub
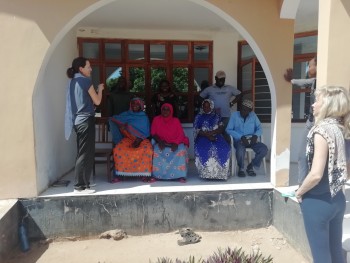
[226,256]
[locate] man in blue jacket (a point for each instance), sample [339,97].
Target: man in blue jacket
[244,126]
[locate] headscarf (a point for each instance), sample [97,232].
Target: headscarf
[138,123]
[212,106]
[337,170]
[169,128]
[139,101]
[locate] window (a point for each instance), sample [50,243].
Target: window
[253,84]
[145,62]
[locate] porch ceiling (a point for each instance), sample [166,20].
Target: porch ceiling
[179,15]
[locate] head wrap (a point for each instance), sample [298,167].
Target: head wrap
[139,101]
[211,106]
[248,104]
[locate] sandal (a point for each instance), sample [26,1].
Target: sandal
[152,180]
[182,180]
[241,173]
[251,172]
[115,180]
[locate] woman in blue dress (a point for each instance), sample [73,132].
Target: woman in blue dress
[212,152]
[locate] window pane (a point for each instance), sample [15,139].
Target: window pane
[137,79]
[303,45]
[180,79]
[300,101]
[201,78]
[157,51]
[95,76]
[247,52]
[183,107]
[112,76]
[91,50]
[113,51]
[247,77]
[201,52]
[157,74]
[136,52]
[180,52]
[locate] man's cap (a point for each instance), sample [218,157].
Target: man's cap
[248,104]
[220,74]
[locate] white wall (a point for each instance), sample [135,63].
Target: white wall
[54,155]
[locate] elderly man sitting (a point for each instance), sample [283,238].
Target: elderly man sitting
[245,128]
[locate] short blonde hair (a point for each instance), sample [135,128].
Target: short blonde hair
[336,104]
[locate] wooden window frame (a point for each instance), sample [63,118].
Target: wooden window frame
[147,63]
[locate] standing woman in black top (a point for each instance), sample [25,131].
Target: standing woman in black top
[80,115]
[164,95]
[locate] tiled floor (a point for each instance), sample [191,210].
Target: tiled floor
[194,183]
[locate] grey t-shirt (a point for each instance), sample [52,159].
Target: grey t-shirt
[221,98]
[82,105]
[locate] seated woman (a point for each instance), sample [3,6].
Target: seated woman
[133,151]
[212,152]
[170,156]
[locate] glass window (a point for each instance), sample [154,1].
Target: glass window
[247,52]
[180,52]
[91,50]
[180,79]
[201,52]
[201,78]
[112,76]
[157,74]
[137,79]
[136,52]
[304,45]
[113,51]
[157,51]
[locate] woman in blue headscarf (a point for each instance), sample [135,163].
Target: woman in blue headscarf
[212,152]
[133,151]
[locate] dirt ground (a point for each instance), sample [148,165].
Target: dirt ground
[149,248]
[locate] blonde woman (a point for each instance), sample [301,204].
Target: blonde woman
[320,195]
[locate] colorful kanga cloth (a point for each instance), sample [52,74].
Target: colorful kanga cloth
[131,161]
[212,158]
[169,165]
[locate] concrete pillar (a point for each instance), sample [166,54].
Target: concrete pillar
[333,65]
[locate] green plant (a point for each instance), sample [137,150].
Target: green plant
[226,256]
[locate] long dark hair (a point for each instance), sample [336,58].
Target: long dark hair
[76,64]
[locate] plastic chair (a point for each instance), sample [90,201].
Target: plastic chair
[103,146]
[249,152]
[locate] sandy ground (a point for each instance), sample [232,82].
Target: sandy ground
[139,249]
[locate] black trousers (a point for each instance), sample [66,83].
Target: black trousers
[85,152]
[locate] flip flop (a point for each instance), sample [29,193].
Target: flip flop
[251,172]
[115,180]
[152,180]
[182,180]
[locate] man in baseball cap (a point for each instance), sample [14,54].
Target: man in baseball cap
[221,95]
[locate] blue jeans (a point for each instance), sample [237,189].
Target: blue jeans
[323,220]
[259,149]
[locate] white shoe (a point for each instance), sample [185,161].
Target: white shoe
[92,184]
[86,191]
